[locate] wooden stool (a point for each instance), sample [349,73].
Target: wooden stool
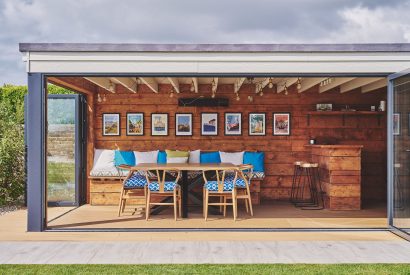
[311,180]
[295,179]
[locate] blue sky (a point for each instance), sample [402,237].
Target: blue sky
[195,21]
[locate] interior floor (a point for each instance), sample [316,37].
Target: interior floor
[268,215]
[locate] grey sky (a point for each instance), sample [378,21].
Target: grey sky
[195,21]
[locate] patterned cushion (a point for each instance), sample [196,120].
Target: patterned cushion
[135,181]
[169,186]
[112,172]
[239,181]
[212,185]
[258,175]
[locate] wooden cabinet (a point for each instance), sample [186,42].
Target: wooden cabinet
[340,174]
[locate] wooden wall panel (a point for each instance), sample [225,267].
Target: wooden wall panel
[281,151]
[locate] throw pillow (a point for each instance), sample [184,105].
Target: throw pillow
[234,158]
[194,156]
[146,157]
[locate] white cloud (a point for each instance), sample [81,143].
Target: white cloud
[195,21]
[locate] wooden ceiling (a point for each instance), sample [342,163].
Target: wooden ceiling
[344,84]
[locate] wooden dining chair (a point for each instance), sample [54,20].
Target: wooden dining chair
[134,186]
[162,187]
[216,186]
[242,183]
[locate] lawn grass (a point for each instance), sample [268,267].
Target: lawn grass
[305,269]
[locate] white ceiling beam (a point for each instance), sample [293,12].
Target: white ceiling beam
[195,81]
[357,83]
[288,81]
[374,86]
[334,83]
[238,84]
[175,83]
[150,82]
[102,82]
[307,83]
[129,83]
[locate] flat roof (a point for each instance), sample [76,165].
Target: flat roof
[109,47]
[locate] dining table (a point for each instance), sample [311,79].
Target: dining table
[184,168]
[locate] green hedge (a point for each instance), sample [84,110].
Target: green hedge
[12,149]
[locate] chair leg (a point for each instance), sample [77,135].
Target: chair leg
[180,203]
[175,204]
[234,204]
[148,206]
[203,202]
[225,202]
[206,204]
[246,205]
[249,199]
[120,204]
[221,200]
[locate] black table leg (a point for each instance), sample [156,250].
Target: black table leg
[185,191]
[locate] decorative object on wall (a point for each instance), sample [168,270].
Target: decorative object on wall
[159,124]
[324,107]
[135,124]
[233,124]
[257,124]
[396,124]
[183,124]
[281,124]
[209,124]
[111,124]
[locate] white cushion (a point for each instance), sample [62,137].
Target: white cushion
[177,160]
[194,156]
[146,157]
[104,163]
[234,158]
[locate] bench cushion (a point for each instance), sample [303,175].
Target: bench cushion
[210,157]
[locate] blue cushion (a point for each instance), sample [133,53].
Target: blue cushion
[169,186]
[210,157]
[135,181]
[162,157]
[212,185]
[124,157]
[257,159]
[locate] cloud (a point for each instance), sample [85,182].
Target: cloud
[195,21]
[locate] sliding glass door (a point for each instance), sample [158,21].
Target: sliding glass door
[399,155]
[64,150]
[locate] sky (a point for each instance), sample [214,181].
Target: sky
[195,21]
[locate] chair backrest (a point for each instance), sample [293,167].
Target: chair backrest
[162,178]
[219,176]
[245,170]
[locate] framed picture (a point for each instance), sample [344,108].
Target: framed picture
[233,124]
[324,107]
[396,124]
[209,124]
[135,124]
[183,124]
[111,124]
[257,124]
[281,124]
[159,124]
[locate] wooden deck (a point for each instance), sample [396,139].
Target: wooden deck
[275,215]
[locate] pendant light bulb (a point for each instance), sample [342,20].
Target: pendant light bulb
[99,98]
[298,84]
[192,86]
[111,87]
[270,85]
[104,98]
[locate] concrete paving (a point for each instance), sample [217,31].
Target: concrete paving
[178,252]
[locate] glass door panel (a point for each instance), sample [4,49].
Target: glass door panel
[400,194]
[61,150]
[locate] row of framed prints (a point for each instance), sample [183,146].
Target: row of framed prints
[184,124]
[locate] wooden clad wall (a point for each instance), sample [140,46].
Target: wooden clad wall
[281,152]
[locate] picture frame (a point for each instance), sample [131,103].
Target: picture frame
[396,124]
[257,124]
[209,124]
[135,124]
[111,124]
[159,124]
[281,124]
[183,124]
[233,124]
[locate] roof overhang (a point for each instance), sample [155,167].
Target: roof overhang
[232,59]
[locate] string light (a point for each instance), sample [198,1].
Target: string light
[111,87]
[298,84]
[250,98]
[270,84]
[171,94]
[237,97]
[192,86]
[99,98]
[285,88]
[104,98]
